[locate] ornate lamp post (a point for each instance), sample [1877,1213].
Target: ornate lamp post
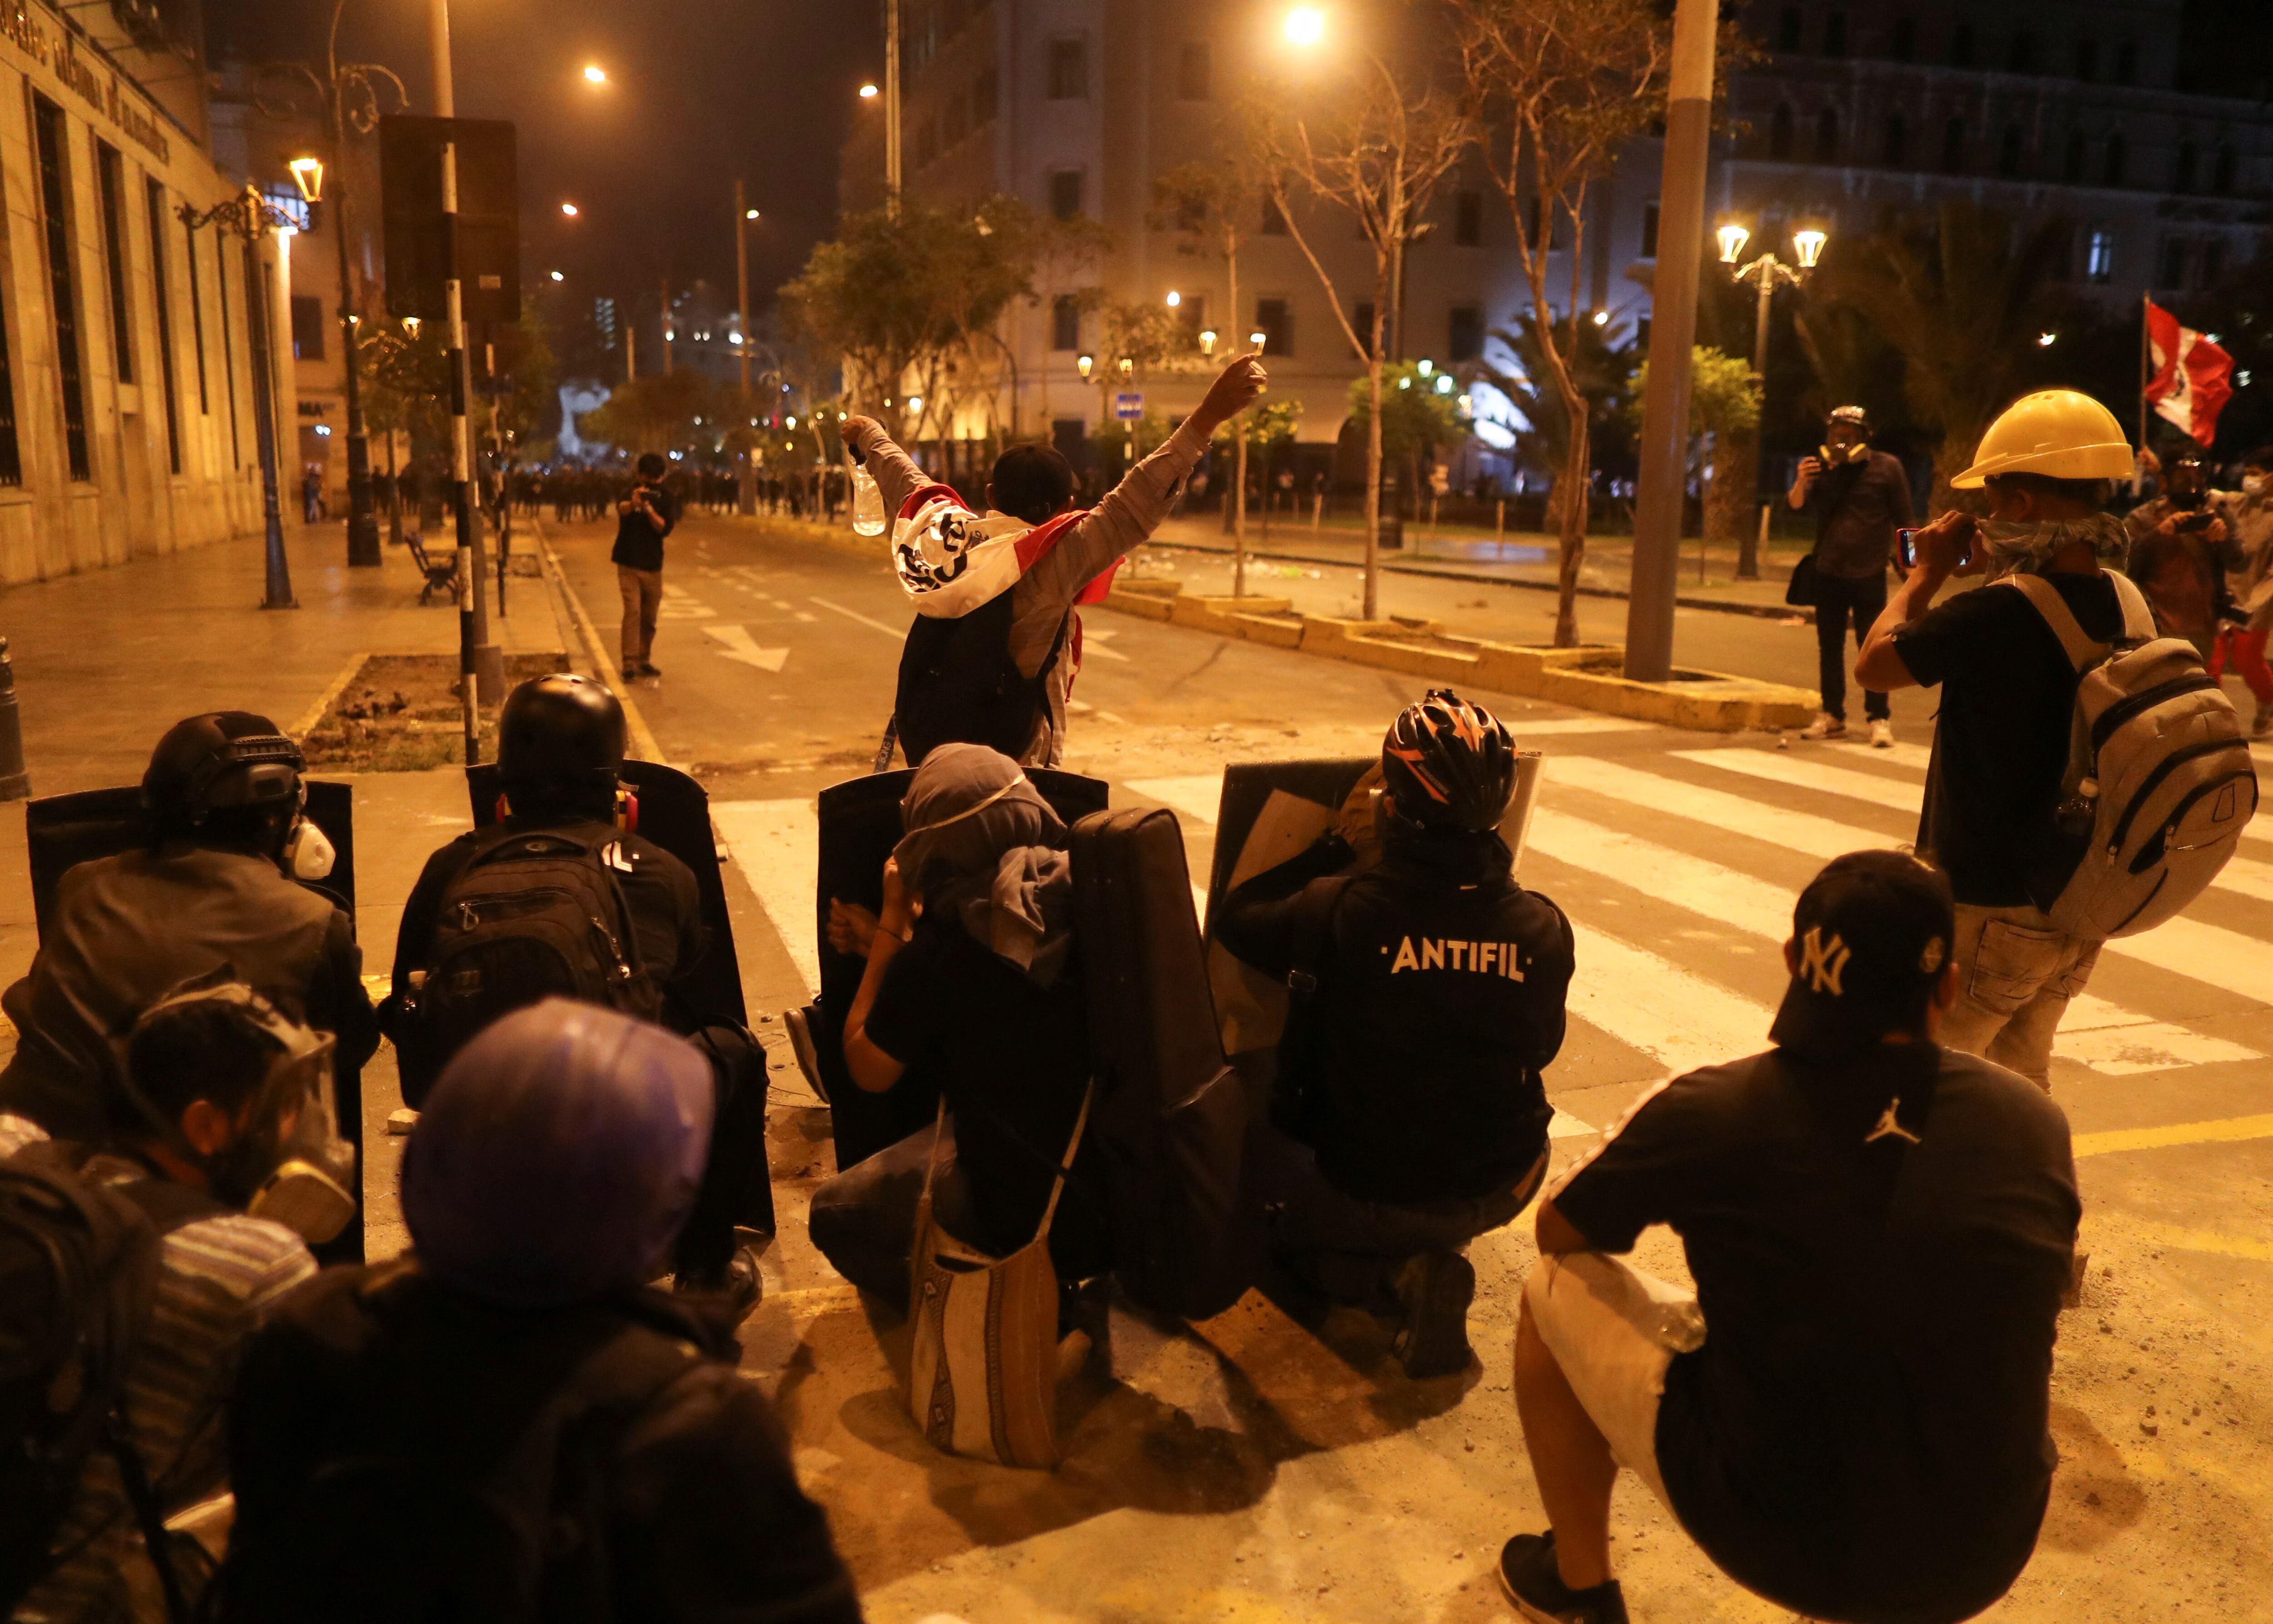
[249,214]
[1766,274]
[363,518]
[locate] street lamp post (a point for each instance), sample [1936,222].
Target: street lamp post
[745,494]
[363,518]
[249,214]
[1766,274]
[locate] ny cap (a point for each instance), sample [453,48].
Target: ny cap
[1874,930]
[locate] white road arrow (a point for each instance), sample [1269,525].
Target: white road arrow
[740,645]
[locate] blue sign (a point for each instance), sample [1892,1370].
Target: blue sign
[1128,405]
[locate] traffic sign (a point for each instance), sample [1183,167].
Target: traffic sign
[1128,405]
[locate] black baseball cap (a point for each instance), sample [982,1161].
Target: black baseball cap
[1874,930]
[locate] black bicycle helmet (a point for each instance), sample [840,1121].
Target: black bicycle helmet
[221,761]
[561,732]
[1449,763]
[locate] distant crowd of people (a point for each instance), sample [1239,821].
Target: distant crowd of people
[1849,1413]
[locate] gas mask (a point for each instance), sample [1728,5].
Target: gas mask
[1839,456]
[287,1163]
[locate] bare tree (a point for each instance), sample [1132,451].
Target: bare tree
[1377,142]
[1214,205]
[1561,86]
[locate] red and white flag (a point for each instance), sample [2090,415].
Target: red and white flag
[2191,379]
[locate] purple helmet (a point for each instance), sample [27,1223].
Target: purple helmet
[558,1155]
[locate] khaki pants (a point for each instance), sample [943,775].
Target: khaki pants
[2016,974]
[642,591]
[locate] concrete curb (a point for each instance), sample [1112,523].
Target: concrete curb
[1586,677]
[1764,611]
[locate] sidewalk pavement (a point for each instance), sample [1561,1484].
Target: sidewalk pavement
[1523,559]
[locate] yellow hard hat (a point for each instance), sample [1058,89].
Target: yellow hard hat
[2058,433]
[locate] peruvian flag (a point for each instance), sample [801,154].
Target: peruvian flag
[2192,378]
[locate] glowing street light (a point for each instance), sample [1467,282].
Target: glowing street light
[308,175]
[1601,319]
[867,93]
[1084,366]
[558,277]
[1306,25]
[411,326]
[595,74]
[570,209]
[1259,340]
[1207,342]
[1174,298]
[1766,274]
[2045,341]
[749,214]
[1733,238]
[1810,247]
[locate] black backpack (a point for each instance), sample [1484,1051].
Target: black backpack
[958,684]
[533,913]
[432,1458]
[78,1270]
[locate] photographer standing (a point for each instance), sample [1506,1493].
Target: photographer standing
[643,518]
[2007,705]
[1861,497]
[2182,548]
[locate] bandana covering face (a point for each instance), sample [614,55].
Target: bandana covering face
[951,561]
[983,846]
[2025,549]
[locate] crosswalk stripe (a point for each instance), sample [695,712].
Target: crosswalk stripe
[2242,876]
[1652,1004]
[2102,1035]
[2210,954]
[778,843]
[1195,795]
[1544,726]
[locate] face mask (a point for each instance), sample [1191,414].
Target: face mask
[2253,484]
[1835,456]
[308,852]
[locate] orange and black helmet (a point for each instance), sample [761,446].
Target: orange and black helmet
[1449,763]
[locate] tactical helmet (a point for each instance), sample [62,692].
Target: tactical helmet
[560,731]
[221,761]
[1449,763]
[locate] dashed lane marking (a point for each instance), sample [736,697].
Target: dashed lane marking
[779,845]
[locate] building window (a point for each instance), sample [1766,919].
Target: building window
[1960,46]
[1468,219]
[1065,322]
[197,319]
[1194,71]
[1898,141]
[2008,151]
[1901,40]
[47,120]
[2072,167]
[2174,263]
[1641,331]
[2112,175]
[307,327]
[158,288]
[2126,62]
[1788,29]
[1780,133]
[2086,60]
[2021,55]
[1464,338]
[1835,35]
[1826,137]
[2189,160]
[2213,261]
[985,96]
[1274,319]
[1649,230]
[1274,218]
[2099,256]
[1362,323]
[1953,148]
[1065,194]
[1068,70]
[2221,170]
[111,180]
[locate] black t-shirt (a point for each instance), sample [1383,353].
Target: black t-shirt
[639,545]
[1858,506]
[1863,1433]
[2001,744]
[1012,1058]
[1440,1003]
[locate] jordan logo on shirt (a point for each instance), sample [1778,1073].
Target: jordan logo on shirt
[1887,1126]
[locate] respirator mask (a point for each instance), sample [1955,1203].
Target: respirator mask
[287,1163]
[1839,456]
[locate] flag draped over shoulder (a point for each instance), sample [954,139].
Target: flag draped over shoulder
[2191,379]
[951,561]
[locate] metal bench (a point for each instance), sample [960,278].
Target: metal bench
[443,574]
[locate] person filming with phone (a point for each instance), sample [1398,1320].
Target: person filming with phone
[648,513]
[1860,498]
[2008,689]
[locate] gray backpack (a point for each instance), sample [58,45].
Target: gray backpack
[2159,781]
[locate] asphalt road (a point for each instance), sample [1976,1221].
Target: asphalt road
[1198,1463]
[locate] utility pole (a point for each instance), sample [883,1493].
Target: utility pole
[1673,331]
[663,285]
[745,493]
[481,665]
[892,105]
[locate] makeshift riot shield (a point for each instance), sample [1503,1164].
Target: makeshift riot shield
[674,813]
[860,826]
[1271,811]
[64,831]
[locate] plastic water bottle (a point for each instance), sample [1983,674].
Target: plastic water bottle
[867,502]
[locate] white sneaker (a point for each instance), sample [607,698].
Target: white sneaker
[1825,726]
[1882,735]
